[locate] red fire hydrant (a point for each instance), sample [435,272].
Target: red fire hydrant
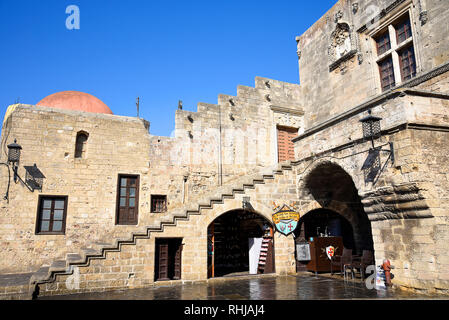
[386,266]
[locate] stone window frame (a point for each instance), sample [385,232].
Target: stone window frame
[51,220]
[388,25]
[278,112]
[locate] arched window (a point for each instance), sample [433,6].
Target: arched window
[80,146]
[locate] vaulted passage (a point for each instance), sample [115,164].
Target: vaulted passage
[342,215]
[240,242]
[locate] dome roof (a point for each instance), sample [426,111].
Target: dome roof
[75,100]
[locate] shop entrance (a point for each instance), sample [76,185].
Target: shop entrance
[323,227]
[340,223]
[240,242]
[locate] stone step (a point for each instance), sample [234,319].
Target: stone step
[89,252]
[74,258]
[58,266]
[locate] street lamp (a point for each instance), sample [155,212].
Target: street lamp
[372,130]
[14,157]
[371,127]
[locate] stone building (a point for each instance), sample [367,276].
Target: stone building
[100,203]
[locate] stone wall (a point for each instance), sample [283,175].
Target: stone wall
[184,167]
[116,145]
[407,203]
[133,265]
[337,63]
[243,125]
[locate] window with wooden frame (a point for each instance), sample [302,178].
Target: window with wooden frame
[386,73]
[395,53]
[407,62]
[403,29]
[127,199]
[51,215]
[81,144]
[158,203]
[383,43]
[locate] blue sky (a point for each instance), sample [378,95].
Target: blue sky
[161,51]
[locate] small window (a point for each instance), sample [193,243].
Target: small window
[80,145]
[127,199]
[158,203]
[51,217]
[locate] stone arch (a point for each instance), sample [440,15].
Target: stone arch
[228,246]
[327,185]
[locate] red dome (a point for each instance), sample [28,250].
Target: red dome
[75,100]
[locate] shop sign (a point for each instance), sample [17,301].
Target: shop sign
[286,220]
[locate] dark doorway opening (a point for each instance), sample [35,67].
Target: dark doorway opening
[240,242]
[168,259]
[323,223]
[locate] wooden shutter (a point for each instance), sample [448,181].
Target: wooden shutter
[286,150]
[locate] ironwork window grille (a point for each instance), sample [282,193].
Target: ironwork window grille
[158,203]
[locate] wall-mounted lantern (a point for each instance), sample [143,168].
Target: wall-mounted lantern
[14,157]
[371,127]
[371,130]
[34,177]
[13,160]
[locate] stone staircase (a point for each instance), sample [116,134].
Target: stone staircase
[98,250]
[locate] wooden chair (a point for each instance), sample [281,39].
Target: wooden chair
[360,263]
[341,261]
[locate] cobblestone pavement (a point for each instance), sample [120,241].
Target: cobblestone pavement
[294,287]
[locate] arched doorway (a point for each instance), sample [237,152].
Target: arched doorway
[341,213]
[240,242]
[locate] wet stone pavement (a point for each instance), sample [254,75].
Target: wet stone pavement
[294,287]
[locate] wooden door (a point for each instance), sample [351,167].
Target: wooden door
[269,267]
[128,200]
[286,149]
[177,259]
[163,261]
